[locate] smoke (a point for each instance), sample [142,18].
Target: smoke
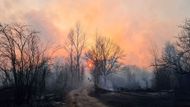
[129,78]
[132,24]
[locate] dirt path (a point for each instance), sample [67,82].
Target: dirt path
[80,98]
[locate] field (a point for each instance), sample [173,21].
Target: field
[144,99]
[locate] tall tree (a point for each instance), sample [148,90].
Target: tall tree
[183,45]
[22,60]
[175,61]
[105,56]
[75,45]
[167,68]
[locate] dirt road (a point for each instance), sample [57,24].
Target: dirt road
[80,98]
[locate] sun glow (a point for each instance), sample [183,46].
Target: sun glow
[90,65]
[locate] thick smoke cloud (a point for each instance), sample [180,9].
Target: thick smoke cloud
[132,24]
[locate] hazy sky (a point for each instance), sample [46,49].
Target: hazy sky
[134,24]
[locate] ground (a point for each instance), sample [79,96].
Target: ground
[81,98]
[84,97]
[144,99]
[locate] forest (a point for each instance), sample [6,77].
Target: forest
[30,76]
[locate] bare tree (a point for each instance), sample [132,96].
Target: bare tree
[183,45]
[105,56]
[175,60]
[75,45]
[22,60]
[166,68]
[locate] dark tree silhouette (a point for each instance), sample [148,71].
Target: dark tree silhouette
[22,61]
[173,68]
[183,45]
[74,46]
[105,56]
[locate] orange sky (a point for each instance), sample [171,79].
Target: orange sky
[133,24]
